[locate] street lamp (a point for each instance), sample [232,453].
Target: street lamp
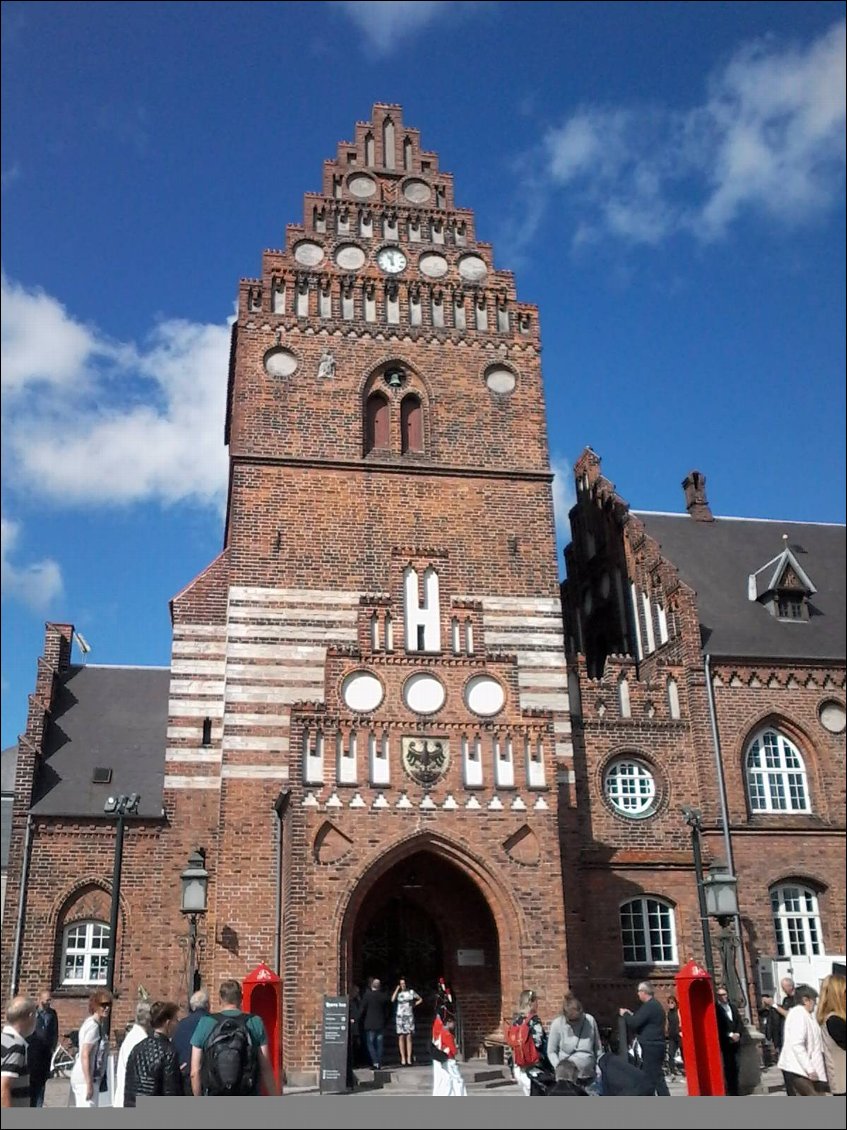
[121,807]
[195,889]
[722,904]
[694,819]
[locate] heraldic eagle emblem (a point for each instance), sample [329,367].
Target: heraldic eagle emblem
[425,760]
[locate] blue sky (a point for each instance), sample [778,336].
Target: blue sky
[666,180]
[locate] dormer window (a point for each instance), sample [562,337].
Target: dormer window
[783,587]
[791,606]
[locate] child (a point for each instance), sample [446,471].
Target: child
[446,1077]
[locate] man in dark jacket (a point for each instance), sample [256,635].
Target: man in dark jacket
[199,1006]
[648,1024]
[730,1029]
[40,1047]
[153,1065]
[374,1017]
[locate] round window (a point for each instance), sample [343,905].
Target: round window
[630,787]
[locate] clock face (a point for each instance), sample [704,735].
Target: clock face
[392,260]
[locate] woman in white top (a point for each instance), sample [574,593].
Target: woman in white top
[801,1059]
[139,1031]
[90,1065]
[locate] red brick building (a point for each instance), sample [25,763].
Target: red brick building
[366,723]
[367,716]
[706,666]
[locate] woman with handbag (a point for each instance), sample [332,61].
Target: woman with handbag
[89,1071]
[575,1037]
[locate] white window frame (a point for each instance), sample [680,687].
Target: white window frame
[647,905]
[797,928]
[640,773]
[775,774]
[88,950]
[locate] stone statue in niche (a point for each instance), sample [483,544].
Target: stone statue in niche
[326,368]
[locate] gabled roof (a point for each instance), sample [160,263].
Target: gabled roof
[717,560]
[105,717]
[770,577]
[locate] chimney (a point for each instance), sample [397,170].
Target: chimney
[696,503]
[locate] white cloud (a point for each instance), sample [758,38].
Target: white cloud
[386,22]
[768,138]
[89,420]
[564,497]
[37,584]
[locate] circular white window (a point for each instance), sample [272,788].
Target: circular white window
[417,191]
[309,253]
[423,694]
[280,362]
[832,716]
[434,265]
[484,695]
[361,185]
[350,257]
[630,787]
[500,379]
[362,692]
[472,268]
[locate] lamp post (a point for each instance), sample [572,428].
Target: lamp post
[195,887]
[694,819]
[121,807]
[722,904]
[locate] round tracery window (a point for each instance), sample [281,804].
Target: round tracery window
[630,787]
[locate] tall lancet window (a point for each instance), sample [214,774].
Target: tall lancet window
[411,423]
[376,423]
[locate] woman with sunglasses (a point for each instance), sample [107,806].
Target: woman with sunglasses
[90,1067]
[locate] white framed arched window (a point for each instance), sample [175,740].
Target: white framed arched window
[776,774]
[630,787]
[796,921]
[85,953]
[648,932]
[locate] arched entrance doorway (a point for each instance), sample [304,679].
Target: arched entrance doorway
[423,917]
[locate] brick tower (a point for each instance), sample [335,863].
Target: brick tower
[368,712]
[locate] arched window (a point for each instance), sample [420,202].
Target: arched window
[411,423]
[85,953]
[376,423]
[776,775]
[648,932]
[796,921]
[630,787]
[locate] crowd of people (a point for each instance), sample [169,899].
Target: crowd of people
[227,1052]
[222,1054]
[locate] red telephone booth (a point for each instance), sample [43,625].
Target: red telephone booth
[262,991]
[699,1030]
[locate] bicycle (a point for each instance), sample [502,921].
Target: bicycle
[63,1060]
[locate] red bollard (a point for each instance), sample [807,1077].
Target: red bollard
[262,995]
[699,1030]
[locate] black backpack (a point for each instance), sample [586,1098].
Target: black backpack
[230,1057]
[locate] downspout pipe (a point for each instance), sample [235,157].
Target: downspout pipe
[280,805]
[727,839]
[19,925]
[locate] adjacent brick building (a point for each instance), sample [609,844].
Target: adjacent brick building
[366,723]
[706,658]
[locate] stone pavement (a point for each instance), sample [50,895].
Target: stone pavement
[481,1079]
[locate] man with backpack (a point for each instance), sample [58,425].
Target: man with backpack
[229,1050]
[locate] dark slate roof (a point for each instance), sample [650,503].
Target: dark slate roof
[110,717]
[8,768]
[716,559]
